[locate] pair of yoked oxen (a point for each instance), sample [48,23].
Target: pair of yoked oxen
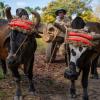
[83,61]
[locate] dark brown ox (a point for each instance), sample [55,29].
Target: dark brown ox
[4,51]
[4,34]
[81,57]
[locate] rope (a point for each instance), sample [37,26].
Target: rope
[47,64]
[53,52]
[20,46]
[66,48]
[55,35]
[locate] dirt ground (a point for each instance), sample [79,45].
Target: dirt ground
[49,82]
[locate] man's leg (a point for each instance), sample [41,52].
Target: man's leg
[51,52]
[53,48]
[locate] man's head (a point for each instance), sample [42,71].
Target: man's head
[61,13]
[20,12]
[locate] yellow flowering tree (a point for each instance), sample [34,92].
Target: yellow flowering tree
[48,18]
[71,6]
[88,16]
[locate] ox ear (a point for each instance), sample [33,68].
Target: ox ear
[6,42]
[38,18]
[96,37]
[8,13]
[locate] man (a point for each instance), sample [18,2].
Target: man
[53,47]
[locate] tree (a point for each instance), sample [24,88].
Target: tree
[97,10]
[71,6]
[92,16]
[2,10]
[29,9]
[88,16]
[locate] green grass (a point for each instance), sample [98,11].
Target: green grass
[1,73]
[41,45]
[2,94]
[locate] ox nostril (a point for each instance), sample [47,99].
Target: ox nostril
[71,72]
[72,67]
[11,60]
[72,64]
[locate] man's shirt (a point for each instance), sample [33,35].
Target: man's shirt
[64,21]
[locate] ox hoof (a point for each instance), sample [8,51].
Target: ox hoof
[31,90]
[18,98]
[85,98]
[73,93]
[94,76]
[32,93]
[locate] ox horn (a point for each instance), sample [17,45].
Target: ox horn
[38,18]
[8,13]
[96,37]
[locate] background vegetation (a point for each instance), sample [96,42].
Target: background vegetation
[80,7]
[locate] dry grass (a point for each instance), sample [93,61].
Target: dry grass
[41,46]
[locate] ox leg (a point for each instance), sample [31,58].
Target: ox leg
[4,67]
[84,81]
[94,73]
[18,93]
[72,89]
[29,72]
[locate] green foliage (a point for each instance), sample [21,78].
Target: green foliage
[30,9]
[1,73]
[89,16]
[41,45]
[71,6]
[2,95]
[2,9]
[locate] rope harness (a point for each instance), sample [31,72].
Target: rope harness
[24,26]
[21,45]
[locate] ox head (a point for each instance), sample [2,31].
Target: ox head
[76,53]
[22,43]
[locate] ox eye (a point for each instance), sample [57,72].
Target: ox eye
[73,52]
[80,49]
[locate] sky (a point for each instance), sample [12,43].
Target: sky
[34,3]
[25,3]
